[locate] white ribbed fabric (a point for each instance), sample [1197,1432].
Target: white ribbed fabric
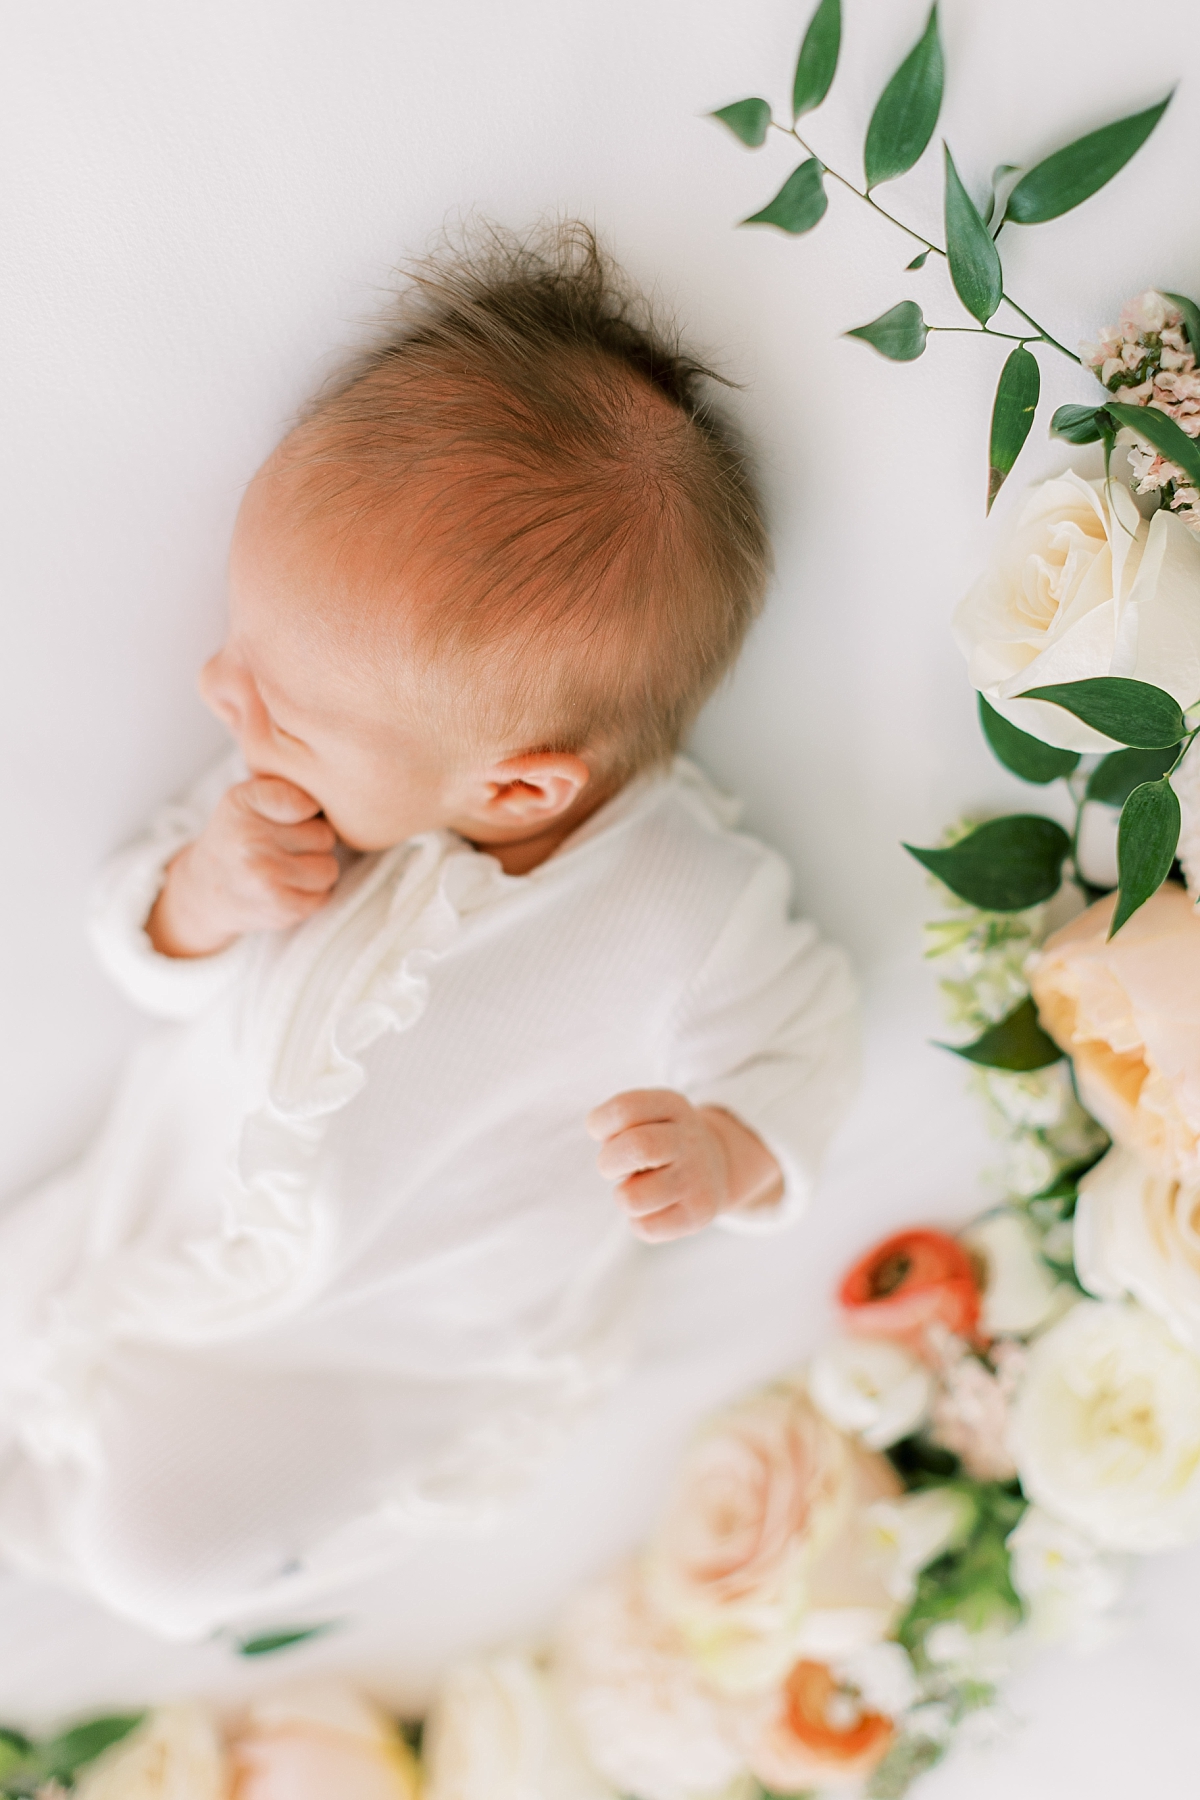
[340,1266]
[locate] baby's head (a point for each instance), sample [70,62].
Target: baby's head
[498,565]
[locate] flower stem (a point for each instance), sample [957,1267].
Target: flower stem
[1043,336]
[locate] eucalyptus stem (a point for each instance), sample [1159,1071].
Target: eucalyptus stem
[1043,336]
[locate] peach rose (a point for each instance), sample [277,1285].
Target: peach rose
[1128,1015]
[764,1554]
[910,1282]
[320,1742]
[818,1732]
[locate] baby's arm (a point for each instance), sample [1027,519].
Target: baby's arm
[760,1056]
[677,1166]
[263,861]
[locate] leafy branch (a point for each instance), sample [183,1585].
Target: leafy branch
[898,134]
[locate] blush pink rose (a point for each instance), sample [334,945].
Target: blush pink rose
[320,1743]
[1127,1013]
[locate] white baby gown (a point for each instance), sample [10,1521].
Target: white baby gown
[340,1267]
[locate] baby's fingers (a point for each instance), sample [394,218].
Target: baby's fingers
[641,1147]
[314,874]
[638,1106]
[272,798]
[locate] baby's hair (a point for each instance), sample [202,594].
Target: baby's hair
[529,448]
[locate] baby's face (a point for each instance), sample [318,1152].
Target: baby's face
[311,693]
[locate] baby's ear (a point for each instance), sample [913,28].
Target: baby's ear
[532,789]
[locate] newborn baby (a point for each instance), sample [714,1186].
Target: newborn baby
[345,1260]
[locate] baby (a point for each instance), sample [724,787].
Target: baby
[345,1261]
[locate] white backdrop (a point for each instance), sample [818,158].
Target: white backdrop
[200,202]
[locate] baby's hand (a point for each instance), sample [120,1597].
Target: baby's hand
[263,861]
[676,1165]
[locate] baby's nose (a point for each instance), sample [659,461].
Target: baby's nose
[221,691]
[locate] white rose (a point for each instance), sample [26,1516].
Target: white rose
[175,1755]
[497,1732]
[1083,587]
[908,1534]
[1019,1292]
[1138,1232]
[873,1388]
[1066,1583]
[647,1720]
[761,1557]
[1186,782]
[1106,1428]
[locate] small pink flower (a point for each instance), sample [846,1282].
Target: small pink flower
[970,1411]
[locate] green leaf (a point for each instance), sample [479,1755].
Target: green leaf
[899,333]
[818,58]
[58,1759]
[918,262]
[800,203]
[1016,1042]
[281,1640]
[1113,780]
[1026,756]
[1078,424]
[1132,712]
[747,119]
[907,111]
[1191,318]
[974,263]
[1159,429]
[1013,409]
[1146,840]
[1003,866]
[998,175]
[1080,169]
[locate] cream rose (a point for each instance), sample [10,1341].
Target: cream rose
[1137,1232]
[175,1755]
[763,1555]
[648,1721]
[1128,1015]
[1084,586]
[318,1740]
[497,1732]
[1106,1428]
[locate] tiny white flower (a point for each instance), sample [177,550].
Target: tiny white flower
[1067,1584]
[1019,1292]
[870,1387]
[910,1533]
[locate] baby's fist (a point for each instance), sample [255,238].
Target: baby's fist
[675,1165]
[264,861]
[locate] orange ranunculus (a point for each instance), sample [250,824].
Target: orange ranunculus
[908,1283]
[818,1733]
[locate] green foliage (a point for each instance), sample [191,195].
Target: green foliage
[1191,318]
[1016,1042]
[1132,712]
[1003,866]
[909,1758]
[898,334]
[800,203]
[972,1584]
[747,119]
[1026,756]
[271,1641]
[918,261]
[1017,394]
[1114,779]
[817,62]
[1146,840]
[907,110]
[1078,424]
[921,1464]
[1080,169]
[1159,429]
[974,262]
[26,1767]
